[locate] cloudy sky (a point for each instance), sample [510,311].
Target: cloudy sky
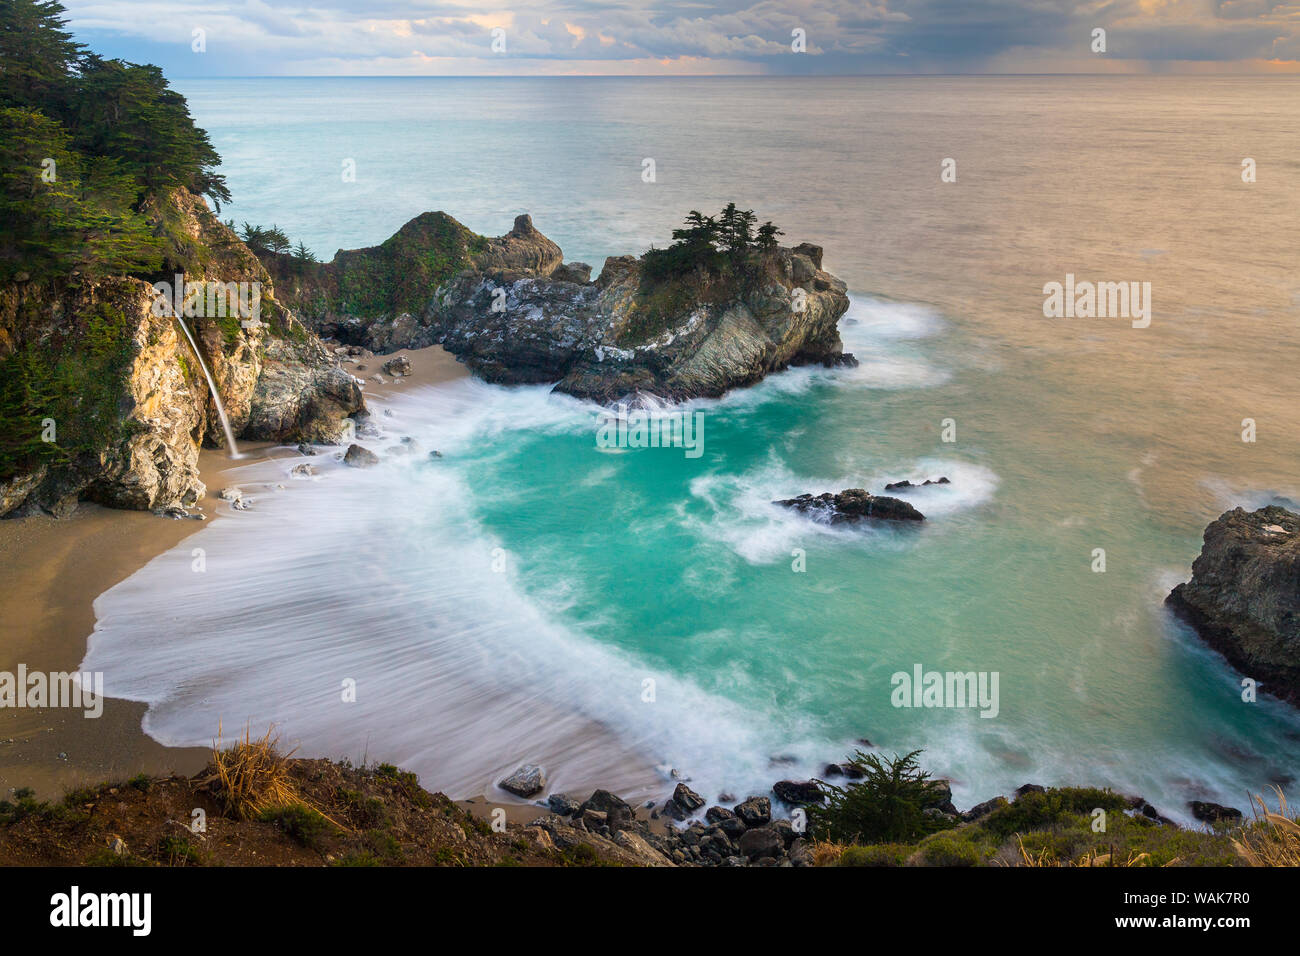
[256,37]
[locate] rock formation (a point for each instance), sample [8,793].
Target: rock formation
[1244,596]
[515,313]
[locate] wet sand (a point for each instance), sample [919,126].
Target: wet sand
[52,572]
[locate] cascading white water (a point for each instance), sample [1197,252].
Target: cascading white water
[212,387]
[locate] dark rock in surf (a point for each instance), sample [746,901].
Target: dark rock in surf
[687,799]
[755,812]
[797,792]
[1213,812]
[358,457]
[852,506]
[905,484]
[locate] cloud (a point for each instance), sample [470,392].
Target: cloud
[851,36]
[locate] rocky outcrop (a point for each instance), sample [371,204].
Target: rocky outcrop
[301,394]
[104,398]
[1244,596]
[516,314]
[852,506]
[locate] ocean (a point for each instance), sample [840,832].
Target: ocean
[621,614]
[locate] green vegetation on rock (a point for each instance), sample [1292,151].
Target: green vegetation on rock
[71,387]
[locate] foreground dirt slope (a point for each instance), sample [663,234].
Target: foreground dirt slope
[377,816]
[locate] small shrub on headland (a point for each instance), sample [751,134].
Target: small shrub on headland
[886,806]
[301,823]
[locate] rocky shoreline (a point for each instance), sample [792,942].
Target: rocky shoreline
[691,832]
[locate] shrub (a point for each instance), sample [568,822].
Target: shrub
[886,806]
[177,851]
[1041,810]
[946,850]
[302,824]
[877,854]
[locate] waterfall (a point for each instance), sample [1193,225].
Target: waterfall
[212,387]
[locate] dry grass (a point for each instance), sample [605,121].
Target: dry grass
[825,853]
[1274,840]
[1089,859]
[251,777]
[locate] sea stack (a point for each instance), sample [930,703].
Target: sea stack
[1244,596]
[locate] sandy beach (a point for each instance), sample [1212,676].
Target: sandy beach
[59,567]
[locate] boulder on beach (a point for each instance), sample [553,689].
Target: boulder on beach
[398,367]
[852,506]
[1244,596]
[526,781]
[358,457]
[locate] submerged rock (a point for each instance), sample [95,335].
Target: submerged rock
[852,506]
[905,484]
[1244,596]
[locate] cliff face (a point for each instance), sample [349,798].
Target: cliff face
[104,400]
[516,314]
[1244,596]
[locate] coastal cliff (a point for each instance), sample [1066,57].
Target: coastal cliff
[104,399]
[1244,596]
[515,313]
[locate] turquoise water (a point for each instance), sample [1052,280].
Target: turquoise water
[627,565]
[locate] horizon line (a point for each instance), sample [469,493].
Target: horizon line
[699,76]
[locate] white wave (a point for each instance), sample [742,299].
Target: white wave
[1230,494]
[382,577]
[743,516]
